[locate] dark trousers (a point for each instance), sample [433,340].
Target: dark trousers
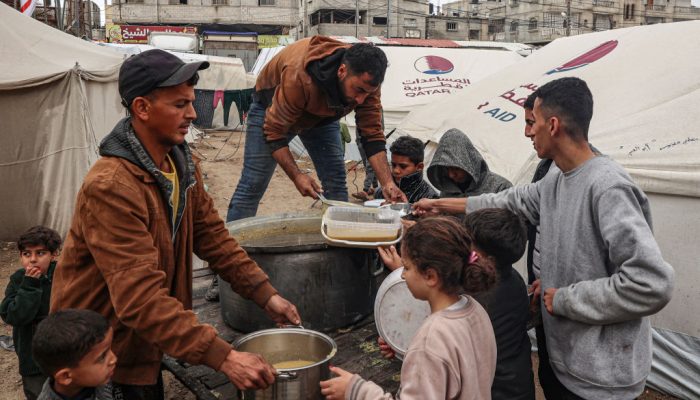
[32,385]
[134,392]
[552,388]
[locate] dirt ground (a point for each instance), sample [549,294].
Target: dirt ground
[222,161]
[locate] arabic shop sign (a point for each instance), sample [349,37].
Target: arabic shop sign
[138,34]
[266,41]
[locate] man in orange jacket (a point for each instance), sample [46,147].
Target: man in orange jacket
[304,91]
[140,214]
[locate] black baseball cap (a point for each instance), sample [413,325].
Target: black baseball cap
[139,75]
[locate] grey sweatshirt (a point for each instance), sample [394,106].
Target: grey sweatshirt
[598,249]
[456,150]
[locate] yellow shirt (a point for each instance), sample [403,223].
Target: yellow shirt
[172,177]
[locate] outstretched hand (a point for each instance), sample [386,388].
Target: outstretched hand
[390,257]
[334,389]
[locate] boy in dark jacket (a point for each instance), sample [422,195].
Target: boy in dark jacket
[27,299]
[407,169]
[501,235]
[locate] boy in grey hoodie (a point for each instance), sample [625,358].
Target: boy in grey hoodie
[458,169]
[602,272]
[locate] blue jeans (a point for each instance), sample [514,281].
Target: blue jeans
[325,149]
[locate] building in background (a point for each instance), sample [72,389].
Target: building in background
[541,21]
[392,18]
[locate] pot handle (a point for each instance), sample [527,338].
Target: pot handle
[300,326]
[286,376]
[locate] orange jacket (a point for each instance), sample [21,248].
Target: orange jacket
[121,260]
[296,102]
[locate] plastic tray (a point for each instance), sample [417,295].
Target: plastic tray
[361,227]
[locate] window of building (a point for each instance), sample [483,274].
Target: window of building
[474,34]
[177,2]
[266,2]
[378,20]
[431,24]
[452,26]
[514,26]
[629,11]
[219,2]
[497,25]
[455,13]
[133,1]
[602,22]
[410,22]
[532,25]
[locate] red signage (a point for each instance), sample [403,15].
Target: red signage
[138,34]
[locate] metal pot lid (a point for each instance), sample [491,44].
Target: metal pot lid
[397,314]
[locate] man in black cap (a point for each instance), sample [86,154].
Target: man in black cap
[140,214]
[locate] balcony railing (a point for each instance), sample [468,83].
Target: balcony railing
[687,10]
[603,3]
[656,7]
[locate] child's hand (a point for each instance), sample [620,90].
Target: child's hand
[334,389]
[385,349]
[32,272]
[390,257]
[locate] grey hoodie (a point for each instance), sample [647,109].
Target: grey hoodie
[598,250]
[456,150]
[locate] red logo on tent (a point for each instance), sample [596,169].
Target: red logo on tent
[587,58]
[433,65]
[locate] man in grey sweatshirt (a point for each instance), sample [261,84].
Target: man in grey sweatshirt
[602,272]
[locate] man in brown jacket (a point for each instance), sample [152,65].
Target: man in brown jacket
[140,214]
[304,91]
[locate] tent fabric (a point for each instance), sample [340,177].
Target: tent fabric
[675,367]
[646,94]
[58,98]
[34,54]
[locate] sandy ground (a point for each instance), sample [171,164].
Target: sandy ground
[222,155]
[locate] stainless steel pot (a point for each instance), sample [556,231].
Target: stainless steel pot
[332,287]
[289,344]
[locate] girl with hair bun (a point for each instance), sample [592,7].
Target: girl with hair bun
[453,354]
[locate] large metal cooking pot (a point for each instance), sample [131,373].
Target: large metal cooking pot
[290,344]
[332,287]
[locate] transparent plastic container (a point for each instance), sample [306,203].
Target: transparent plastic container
[362,224]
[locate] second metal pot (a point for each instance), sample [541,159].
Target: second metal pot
[290,344]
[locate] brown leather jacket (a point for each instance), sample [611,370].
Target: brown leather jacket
[296,101]
[122,259]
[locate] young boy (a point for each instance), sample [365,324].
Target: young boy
[407,169]
[27,299]
[501,235]
[73,347]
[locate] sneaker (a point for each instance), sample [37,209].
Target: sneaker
[6,343]
[213,290]
[361,196]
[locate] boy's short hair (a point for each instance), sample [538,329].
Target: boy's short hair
[63,338]
[408,146]
[40,236]
[498,232]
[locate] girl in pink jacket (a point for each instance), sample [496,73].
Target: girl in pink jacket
[453,355]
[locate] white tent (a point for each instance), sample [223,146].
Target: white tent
[58,97]
[646,91]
